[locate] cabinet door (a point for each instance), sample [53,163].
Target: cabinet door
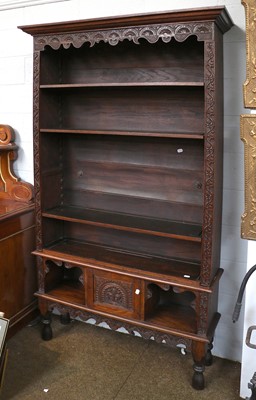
[114,293]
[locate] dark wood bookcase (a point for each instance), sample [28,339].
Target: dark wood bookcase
[128,173]
[18,278]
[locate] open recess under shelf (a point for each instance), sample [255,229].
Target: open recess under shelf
[126,108]
[72,292]
[178,317]
[127,222]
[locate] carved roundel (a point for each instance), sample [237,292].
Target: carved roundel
[113,293]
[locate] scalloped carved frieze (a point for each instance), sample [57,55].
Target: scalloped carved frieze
[114,324]
[151,33]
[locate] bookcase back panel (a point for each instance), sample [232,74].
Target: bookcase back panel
[152,152]
[141,206]
[144,176]
[125,62]
[165,171]
[52,195]
[145,109]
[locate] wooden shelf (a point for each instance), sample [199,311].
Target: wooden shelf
[126,222]
[180,135]
[120,84]
[174,316]
[72,292]
[122,260]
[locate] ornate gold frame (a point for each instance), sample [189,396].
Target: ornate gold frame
[248,136]
[250,83]
[248,124]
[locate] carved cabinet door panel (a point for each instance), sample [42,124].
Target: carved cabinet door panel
[114,293]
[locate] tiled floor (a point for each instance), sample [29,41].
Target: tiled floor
[84,362]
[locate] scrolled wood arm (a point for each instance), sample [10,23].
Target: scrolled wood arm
[11,187]
[7,134]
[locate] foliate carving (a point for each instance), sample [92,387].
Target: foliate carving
[159,337]
[250,83]
[248,136]
[202,306]
[151,33]
[36,149]
[41,266]
[119,294]
[209,161]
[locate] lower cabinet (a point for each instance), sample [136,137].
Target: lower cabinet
[172,313]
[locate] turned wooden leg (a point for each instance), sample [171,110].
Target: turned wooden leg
[46,320]
[46,329]
[208,356]
[198,352]
[65,319]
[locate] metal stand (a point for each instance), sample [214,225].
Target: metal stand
[236,313]
[252,386]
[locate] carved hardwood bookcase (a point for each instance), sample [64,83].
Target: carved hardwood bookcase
[128,173]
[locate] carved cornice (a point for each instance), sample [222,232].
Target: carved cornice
[250,83]
[151,33]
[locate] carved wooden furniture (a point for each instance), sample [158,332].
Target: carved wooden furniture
[17,239]
[128,171]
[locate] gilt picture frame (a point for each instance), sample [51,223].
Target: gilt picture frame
[249,86]
[248,125]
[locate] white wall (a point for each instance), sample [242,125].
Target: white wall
[16,110]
